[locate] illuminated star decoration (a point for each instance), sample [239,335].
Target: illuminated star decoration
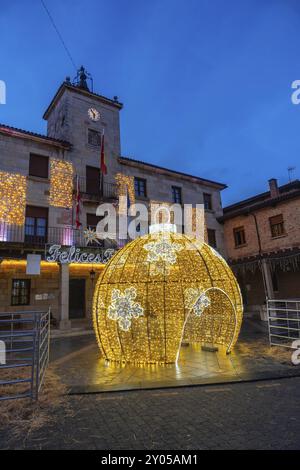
[123,308]
[195,302]
[90,235]
[162,252]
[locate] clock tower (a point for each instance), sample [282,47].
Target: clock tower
[78,115]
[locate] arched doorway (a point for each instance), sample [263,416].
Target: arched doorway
[216,325]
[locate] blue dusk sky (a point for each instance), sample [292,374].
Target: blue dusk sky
[206,84]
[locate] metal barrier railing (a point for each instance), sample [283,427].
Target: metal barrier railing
[26,336]
[93,187]
[66,236]
[283,321]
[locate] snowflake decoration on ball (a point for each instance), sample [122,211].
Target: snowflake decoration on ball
[162,252]
[196,300]
[201,304]
[123,308]
[90,235]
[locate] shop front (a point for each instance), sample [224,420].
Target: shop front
[62,281]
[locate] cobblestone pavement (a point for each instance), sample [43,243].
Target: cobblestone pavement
[77,361]
[256,415]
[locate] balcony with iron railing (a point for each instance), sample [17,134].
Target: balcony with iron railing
[11,234]
[94,189]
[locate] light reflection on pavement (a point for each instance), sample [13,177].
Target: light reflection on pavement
[78,362]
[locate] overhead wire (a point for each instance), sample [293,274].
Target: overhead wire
[59,35]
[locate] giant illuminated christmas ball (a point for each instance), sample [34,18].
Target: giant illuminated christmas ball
[160,290]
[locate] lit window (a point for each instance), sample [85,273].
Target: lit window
[36,225]
[20,293]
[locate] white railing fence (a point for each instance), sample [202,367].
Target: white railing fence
[25,337]
[283,321]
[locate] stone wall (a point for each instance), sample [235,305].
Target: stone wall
[46,283]
[74,107]
[291,216]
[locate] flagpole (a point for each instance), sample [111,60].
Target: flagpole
[77,221]
[101,169]
[102,183]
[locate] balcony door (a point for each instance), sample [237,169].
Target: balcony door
[36,225]
[92,180]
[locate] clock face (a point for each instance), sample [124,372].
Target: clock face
[94,115]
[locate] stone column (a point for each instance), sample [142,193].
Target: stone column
[266,272]
[64,323]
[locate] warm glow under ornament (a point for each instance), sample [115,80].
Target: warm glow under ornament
[160,290]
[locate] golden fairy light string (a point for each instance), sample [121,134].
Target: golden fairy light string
[197,299]
[125,185]
[61,183]
[13,188]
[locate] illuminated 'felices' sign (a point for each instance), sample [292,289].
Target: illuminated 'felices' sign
[75,255]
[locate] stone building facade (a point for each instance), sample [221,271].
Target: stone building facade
[262,236]
[42,176]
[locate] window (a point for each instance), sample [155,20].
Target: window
[92,220]
[94,138]
[277,226]
[207,201]
[92,180]
[140,187]
[239,236]
[20,292]
[38,165]
[211,235]
[176,194]
[36,224]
